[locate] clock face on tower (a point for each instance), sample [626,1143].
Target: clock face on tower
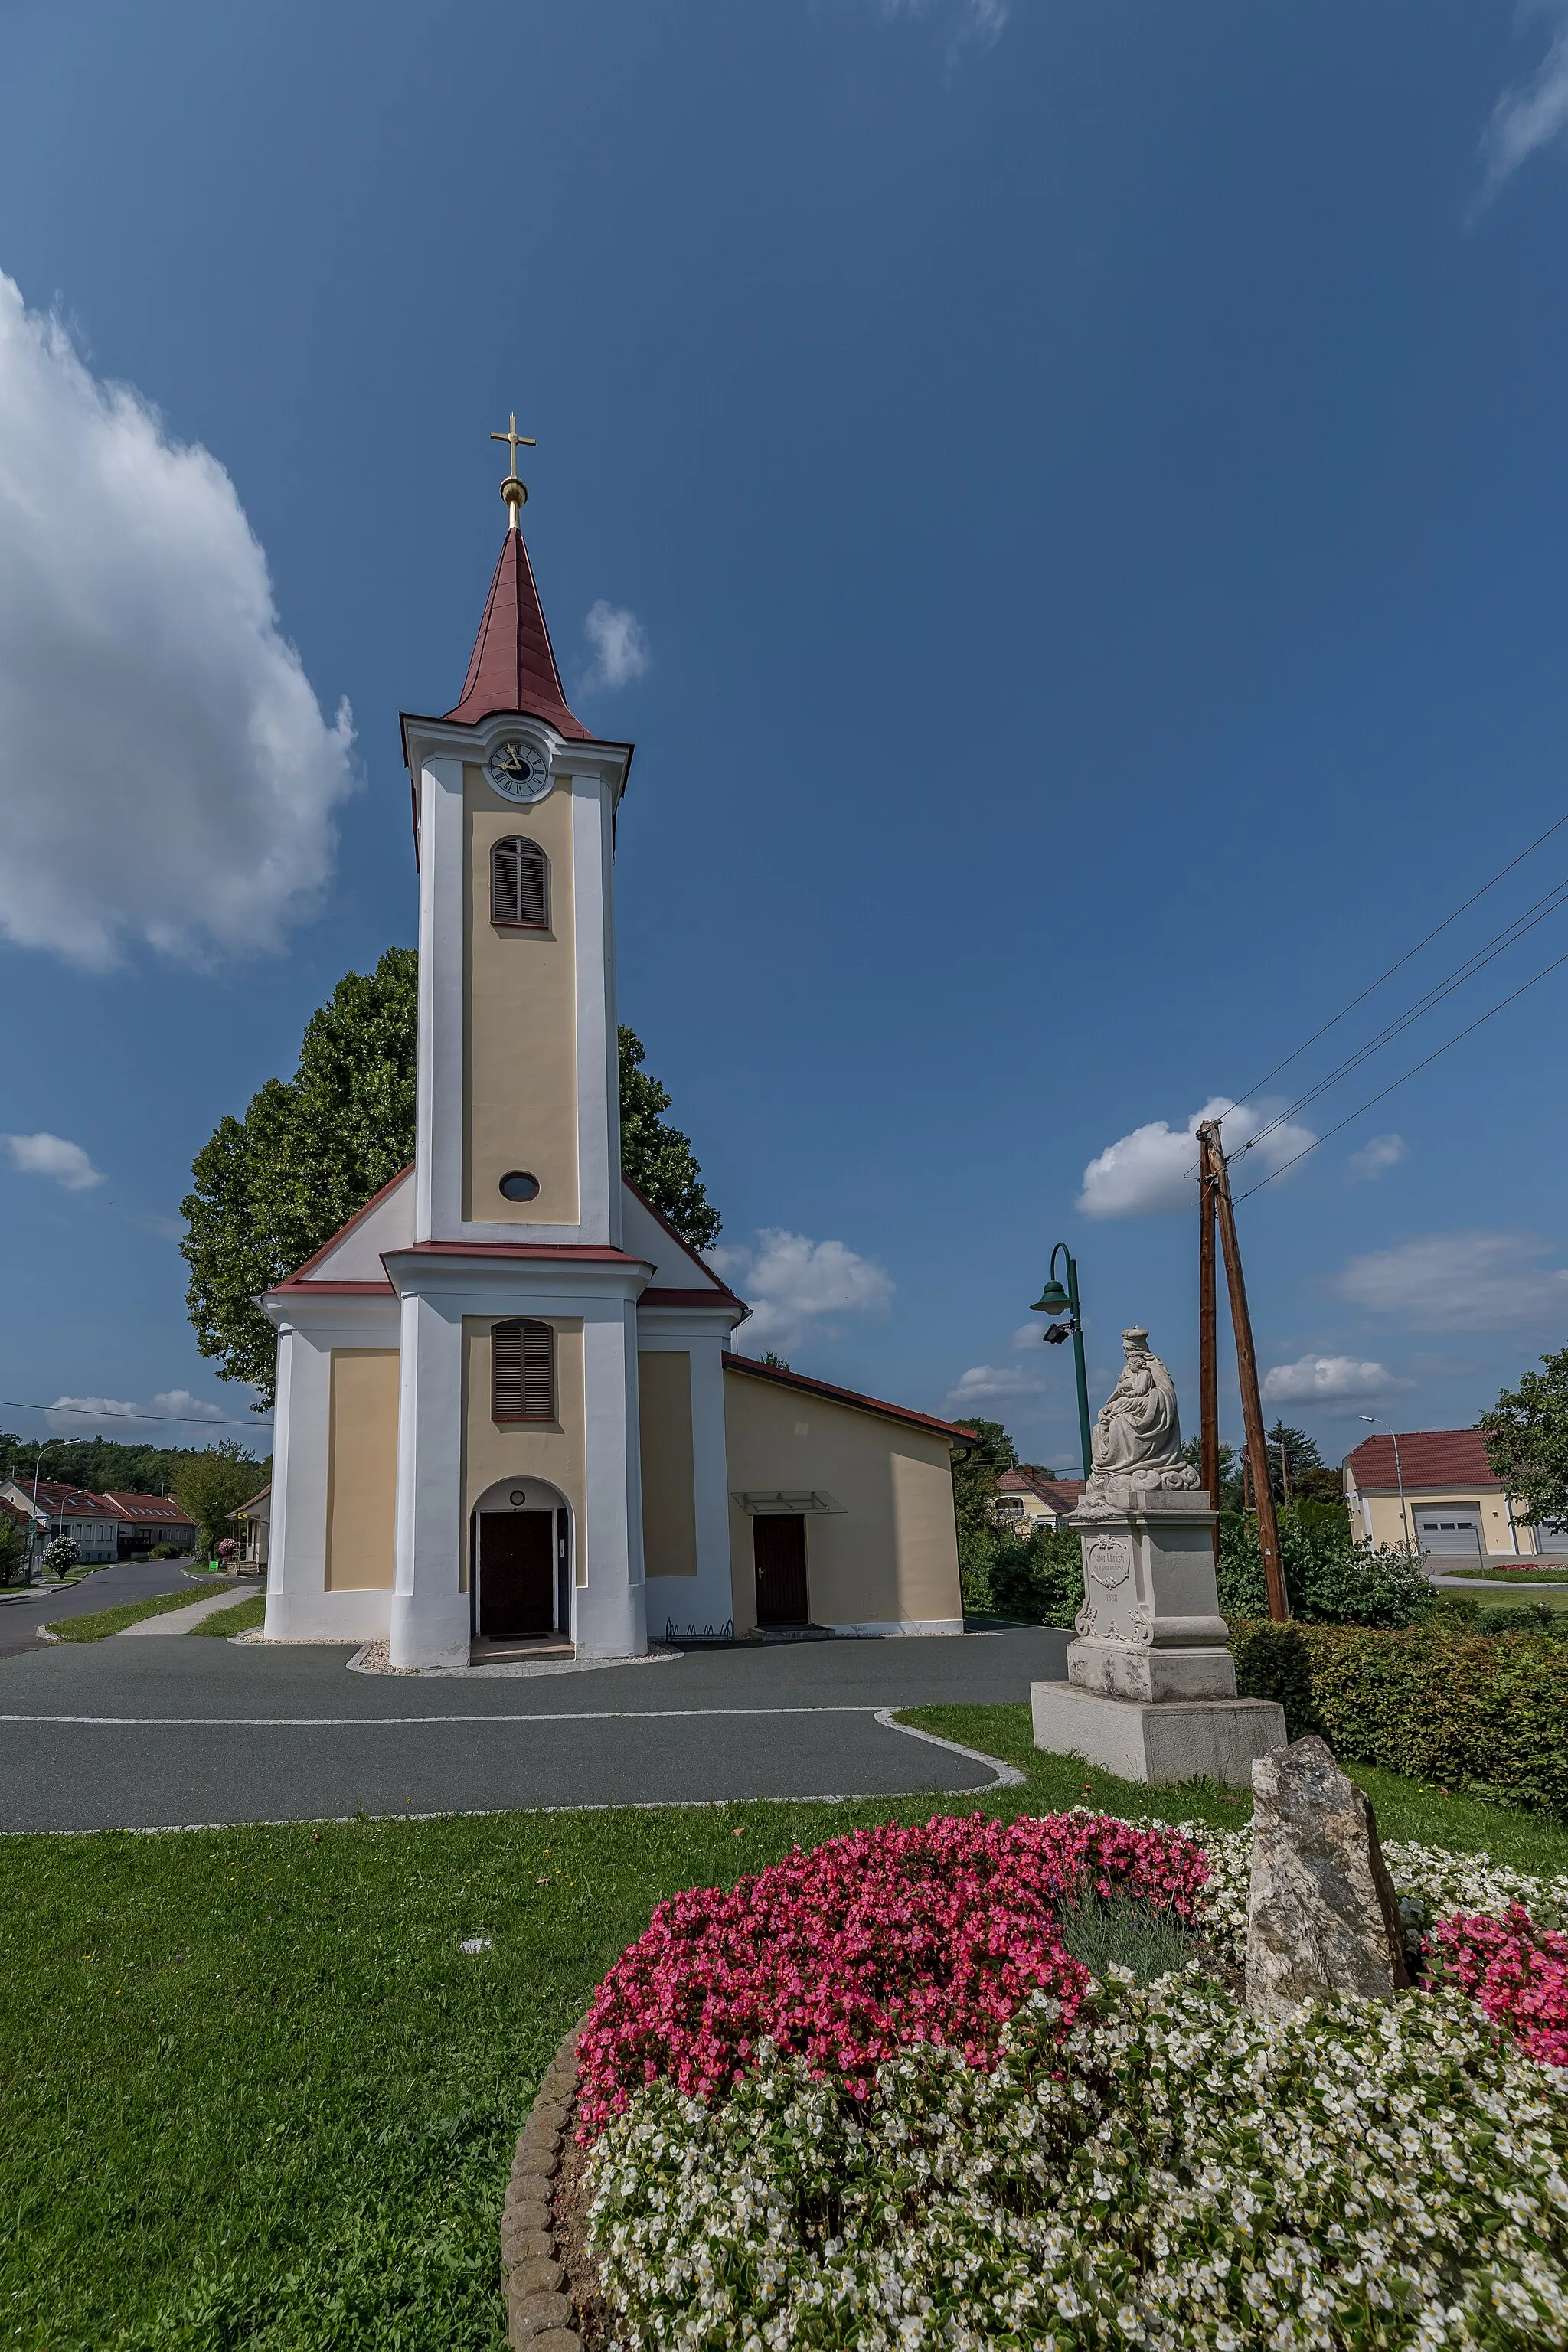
[517,770]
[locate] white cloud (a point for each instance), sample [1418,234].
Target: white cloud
[1328,1380]
[51,1155]
[1377,1153]
[978,20]
[1029,1335]
[1531,113]
[792,1283]
[620,648]
[75,1415]
[983,1382]
[166,775]
[1459,1282]
[1146,1174]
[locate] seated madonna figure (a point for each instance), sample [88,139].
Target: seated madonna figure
[1138,1434]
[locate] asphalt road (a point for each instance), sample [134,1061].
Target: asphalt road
[187,1731]
[106,1588]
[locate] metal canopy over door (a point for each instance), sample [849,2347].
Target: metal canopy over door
[1450,1527]
[516,1573]
[778,1546]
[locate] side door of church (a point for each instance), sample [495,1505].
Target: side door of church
[778,1546]
[516,1573]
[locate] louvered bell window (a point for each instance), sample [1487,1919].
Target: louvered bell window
[522,1371]
[519,884]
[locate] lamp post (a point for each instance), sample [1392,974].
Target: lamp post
[1404,1514]
[1052,1300]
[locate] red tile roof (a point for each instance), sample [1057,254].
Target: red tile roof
[1063,1495]
[70,1502]
[734,1363]
[1429,1459]
[161,1508]
[513,665]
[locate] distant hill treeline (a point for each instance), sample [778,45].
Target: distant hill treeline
[100,1464]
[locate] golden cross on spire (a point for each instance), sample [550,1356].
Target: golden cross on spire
[514,491]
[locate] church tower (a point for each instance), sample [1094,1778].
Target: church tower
[518,1304]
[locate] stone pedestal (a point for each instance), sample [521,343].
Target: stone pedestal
[1151,1686]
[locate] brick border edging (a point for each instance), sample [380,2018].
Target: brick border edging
[539,2311]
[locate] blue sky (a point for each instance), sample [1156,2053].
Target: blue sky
[1088,482]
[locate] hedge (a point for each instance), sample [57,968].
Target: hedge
[1486,1714]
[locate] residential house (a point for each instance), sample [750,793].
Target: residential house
[1452,1505]
[92,1521]
[149,1519]
[251,1523]
[1027,1498]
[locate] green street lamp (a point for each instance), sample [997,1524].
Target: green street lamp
[1053,1300]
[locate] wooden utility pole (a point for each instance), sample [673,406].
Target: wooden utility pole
[1208,1340]
[1247,1369]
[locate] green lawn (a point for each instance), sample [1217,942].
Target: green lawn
[255,2100]
[103,1622]
[243,1618]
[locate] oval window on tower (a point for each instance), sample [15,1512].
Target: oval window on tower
[518,1185]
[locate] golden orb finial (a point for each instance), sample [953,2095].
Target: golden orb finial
[514,491]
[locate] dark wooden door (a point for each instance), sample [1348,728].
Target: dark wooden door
[779,1548]
[516,1573]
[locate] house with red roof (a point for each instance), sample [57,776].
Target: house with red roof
[1434,1491]
[1029,1498]
[51,1509]
[508,1405]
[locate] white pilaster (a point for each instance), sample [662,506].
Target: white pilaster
[609,1612]
[439,1090]
[429,1623]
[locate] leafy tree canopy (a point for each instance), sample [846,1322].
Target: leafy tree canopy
[1526,1434]
[974,1477]
[657,1158]
[211,1485]
[99,1464]
[271,1189]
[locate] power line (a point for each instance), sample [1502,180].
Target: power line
[1399,965]
[1479,1022]
[1488,952]
[95,1412]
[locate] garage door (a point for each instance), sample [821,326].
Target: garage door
[1450,1527]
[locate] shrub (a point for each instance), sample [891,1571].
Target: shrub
[164,1551]
[1331,1579]
[61,1556]
[1038,1577]
[1486,1713]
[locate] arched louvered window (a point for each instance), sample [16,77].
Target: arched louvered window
[522,1371]
[519,884]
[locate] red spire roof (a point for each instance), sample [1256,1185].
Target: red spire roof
[513,666]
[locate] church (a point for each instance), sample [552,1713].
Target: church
[508,1415]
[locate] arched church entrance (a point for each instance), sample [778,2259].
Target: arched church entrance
[520,1575]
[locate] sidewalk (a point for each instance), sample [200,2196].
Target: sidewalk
[180,1621]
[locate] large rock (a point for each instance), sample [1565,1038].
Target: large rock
[1321,1917]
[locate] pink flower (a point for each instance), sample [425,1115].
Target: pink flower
[1516,1971]
[846,1954]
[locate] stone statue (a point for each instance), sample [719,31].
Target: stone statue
[1137,1440]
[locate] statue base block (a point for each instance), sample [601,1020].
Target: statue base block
[1175,1740]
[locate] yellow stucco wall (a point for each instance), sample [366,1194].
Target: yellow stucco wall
[362,1470]
[890,1555]
[1386,1520]
[668,1493]
[519,1021]
[493,1449]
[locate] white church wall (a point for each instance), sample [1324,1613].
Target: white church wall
[685,1603]
[387,1224]
[299,1605]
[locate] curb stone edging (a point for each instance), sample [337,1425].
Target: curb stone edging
[540,2311]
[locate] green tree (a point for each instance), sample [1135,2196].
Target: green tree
[656,1157]
[211,1484]
[271,1189]
[975,1476]
[13,1547]
[1282,1441]
[1229,1495]
[1526,1434]
[98,1464]
[1330,1579]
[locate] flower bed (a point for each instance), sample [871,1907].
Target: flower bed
[869,2097]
